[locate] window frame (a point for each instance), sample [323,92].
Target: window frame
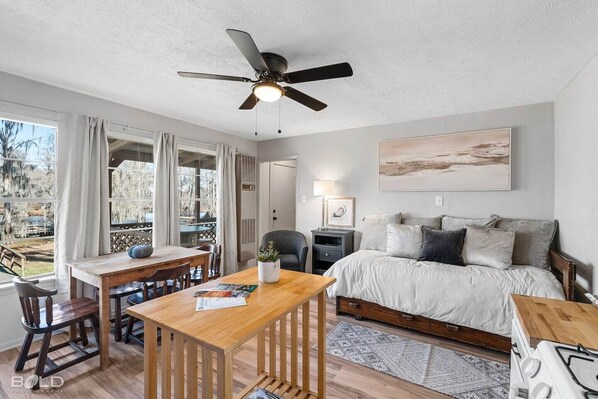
[136,136]
[49,119]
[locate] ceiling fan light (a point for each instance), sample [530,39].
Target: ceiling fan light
[267,91]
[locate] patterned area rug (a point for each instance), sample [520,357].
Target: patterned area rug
[449,372]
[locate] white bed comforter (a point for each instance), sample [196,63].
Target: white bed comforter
[474,296]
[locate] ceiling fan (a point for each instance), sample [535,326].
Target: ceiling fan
[270,69]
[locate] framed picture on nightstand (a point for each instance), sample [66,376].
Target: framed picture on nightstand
[340,212]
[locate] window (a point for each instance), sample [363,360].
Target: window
[131,180]
[27,185]
[197,194]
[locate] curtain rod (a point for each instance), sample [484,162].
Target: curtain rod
[112,123]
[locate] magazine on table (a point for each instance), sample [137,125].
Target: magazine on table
[223,296]
[227,291]
[211,303]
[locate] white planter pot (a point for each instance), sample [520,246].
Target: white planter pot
[268,272]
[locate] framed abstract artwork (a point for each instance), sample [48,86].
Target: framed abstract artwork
[470,161]
[340,212]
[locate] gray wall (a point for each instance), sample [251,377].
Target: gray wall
[35,94]
[350,157]
[576,173]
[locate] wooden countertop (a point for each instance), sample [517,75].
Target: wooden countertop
[223,330]
[567,322]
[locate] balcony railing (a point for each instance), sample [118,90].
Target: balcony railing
[123,236]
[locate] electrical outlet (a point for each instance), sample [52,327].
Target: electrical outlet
[303,199]
[439,200]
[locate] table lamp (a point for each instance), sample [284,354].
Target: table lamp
[323,188]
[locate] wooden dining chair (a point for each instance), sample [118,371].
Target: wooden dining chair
[214,264]
[161,282]
[53,317]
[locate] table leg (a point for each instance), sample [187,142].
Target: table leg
[321,345]
[73,295]
[205,269]
[104,324]
[150,360]
[224,379]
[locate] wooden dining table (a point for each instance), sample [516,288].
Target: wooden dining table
[106,271]
[272,313]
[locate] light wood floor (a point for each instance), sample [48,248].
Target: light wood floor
[124,378]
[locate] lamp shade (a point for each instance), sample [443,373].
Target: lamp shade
[267,91]
[323,187]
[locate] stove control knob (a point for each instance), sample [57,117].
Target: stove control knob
[530,366]
[541,391]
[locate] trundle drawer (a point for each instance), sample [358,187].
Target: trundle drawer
[454,331]
[377,312]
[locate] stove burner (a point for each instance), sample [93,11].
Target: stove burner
[580,353]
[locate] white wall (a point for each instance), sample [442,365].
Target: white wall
[576,173]
[351,158]
[34,94]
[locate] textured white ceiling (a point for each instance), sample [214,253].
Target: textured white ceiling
[411,59]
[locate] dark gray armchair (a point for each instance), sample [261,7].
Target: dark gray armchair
[292,246]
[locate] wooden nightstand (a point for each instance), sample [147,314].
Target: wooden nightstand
[328,246]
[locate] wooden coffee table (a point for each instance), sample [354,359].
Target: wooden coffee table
[219,332]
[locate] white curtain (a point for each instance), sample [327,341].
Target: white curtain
[82,211]
[226,210]
[166,190]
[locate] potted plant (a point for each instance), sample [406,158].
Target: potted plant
[268,264]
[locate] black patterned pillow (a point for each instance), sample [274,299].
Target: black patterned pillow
[443,246]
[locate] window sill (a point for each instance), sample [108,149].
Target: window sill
[45,282]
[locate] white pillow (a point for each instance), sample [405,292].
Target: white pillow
[404,241]
[488,247]
[374,231]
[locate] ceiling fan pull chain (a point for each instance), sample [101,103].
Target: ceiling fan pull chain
[256,119]
[279,105]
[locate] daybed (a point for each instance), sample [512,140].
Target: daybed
[468,303]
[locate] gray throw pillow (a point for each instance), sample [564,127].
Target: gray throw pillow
[404,241]
[416,221]
[442,246]
[374,231]
[488,247]
[532,240]
[456,223]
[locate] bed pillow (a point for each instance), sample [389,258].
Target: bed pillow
[442,246]
[404,241]
[456,223]
[374,231]
[532,240]
[415,221]
[488,247]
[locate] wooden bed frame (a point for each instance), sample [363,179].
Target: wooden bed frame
[561,267]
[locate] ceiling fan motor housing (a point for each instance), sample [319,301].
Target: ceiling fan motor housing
[277,63]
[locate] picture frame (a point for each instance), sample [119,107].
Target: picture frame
[466,161]
[340,212]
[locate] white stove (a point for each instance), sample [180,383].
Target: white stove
[557,371]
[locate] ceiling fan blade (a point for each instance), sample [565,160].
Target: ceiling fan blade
[247,46]
[341,70]
[251,102]
[304,99]
[198,75]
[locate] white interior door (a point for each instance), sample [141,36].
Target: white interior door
[282,195]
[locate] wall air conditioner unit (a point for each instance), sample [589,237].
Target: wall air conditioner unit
[246,177]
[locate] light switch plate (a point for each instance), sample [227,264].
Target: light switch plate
[303,199]
[439,200]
